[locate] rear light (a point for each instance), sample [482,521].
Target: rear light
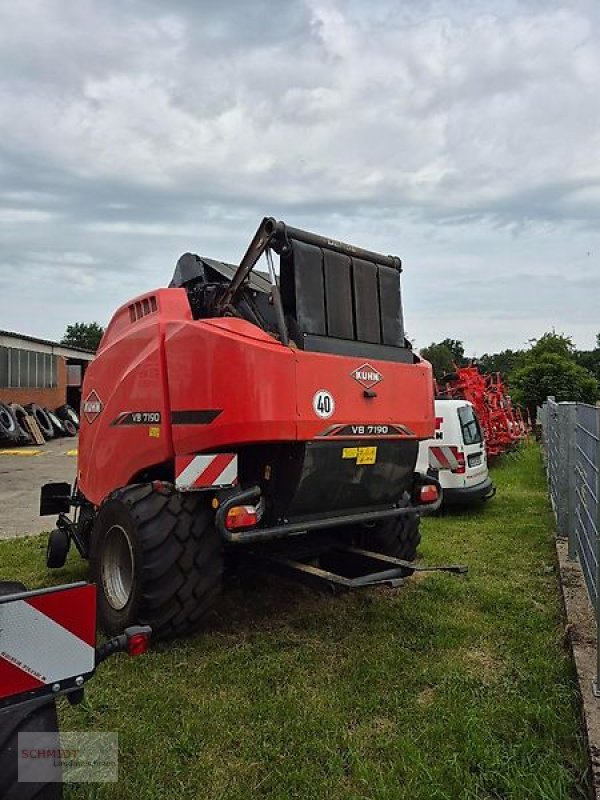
[460,457]
[137,644]
[241,517]
[428,494]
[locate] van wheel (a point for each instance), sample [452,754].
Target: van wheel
[156,559]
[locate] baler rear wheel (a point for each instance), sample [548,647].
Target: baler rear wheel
[398,537]
[156,559]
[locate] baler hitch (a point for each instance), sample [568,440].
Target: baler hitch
[344,568]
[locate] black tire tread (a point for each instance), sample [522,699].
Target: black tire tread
[182,560]
[67,412]
[398,537]
[43,420]
[7,435]
[19,412]
[37,715]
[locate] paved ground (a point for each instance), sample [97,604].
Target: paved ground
[21,477]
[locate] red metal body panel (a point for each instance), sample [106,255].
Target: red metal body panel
[128,375]
[260,391]
[404,395]
[233,367]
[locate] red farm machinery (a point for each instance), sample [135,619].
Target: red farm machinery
[276,415]
[503,424]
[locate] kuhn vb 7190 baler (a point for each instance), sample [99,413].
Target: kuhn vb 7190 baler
[231,410]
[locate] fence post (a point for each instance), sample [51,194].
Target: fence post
[571,479]
[597,521]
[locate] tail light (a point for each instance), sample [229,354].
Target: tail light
[134,641]
[428,494]
[137,644]
[241,517]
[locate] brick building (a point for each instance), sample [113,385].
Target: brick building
[39,371]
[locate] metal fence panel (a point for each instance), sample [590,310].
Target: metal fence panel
[570,434]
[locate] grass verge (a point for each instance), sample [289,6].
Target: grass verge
[450,687]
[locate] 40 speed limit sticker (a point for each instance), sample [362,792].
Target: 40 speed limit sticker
[323,404]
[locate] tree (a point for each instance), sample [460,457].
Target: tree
[552,374]
[552,342]
[83,334]
[457,349]
[440,357]
[590,359]
[504,362]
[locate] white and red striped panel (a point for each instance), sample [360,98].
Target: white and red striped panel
[444,457]
[46,638]
[193,473]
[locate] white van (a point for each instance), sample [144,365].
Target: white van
[457,454]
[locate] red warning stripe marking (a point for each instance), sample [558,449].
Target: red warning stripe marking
[75,610]
[214,470]
[14,681]
[204,471]
[441,457]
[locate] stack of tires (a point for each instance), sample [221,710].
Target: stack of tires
[13,430]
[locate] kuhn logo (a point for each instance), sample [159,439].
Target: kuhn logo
[367,375]
[92,406]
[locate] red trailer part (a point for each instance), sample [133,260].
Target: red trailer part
[503,425]
[47,649]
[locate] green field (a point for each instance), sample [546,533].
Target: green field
[449,687]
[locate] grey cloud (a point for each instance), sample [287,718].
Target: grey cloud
[452,133]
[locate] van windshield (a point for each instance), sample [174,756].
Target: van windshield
[469,425]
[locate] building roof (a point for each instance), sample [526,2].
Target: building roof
[56,347]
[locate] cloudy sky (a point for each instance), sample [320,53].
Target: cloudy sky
[462,136]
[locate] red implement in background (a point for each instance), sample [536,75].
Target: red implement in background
[503,424]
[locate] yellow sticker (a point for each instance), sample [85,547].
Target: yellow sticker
[366,455]
[72,452]
[349,452]
[154,433]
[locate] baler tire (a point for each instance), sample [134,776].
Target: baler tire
[37,716]
[57,548]
[398,537]
[20,413]
[9,428]
[176,559]
[42,419]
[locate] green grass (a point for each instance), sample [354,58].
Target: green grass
[450,687]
